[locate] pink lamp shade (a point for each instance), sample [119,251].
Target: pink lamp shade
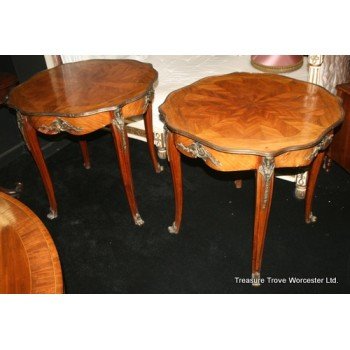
[277,63]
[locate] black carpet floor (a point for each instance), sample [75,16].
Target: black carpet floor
[102,251]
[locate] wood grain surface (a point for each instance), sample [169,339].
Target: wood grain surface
[258,122]
[29,262]
[80,98]
[83,88]
[252,113]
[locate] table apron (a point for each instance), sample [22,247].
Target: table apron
[222,161]
[51,125]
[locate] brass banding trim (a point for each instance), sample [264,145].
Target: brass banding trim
[89,113]
[251,151]
[85,114]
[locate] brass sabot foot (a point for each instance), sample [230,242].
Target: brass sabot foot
[173,229]
[138,220]
[52,214]
[311,219]
[256,279]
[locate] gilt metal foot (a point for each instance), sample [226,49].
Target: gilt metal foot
[311,219]
[173,229]
[256,279]
[238,184]
[52,214]
[138,220]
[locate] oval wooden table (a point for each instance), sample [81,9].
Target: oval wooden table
[244,121]
[29,262]
[80,98]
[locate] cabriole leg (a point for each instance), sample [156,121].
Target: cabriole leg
[31,138]
[85,153]
[150,139]
[121,143]
[264,190]
[313,174]
[176,172]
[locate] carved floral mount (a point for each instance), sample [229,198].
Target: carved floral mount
[59,125]
[326,141]
[198,151]
[266,169]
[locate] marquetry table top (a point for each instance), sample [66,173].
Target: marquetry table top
[29,262]
[252,113]
[83,88]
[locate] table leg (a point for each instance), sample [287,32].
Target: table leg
[176,172]
[264,191]
[150,139]
[85,153]
[313,174]
[31,138]
[121,143]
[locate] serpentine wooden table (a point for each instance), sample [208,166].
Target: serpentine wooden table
[80,98]
[244,121]
[29,262]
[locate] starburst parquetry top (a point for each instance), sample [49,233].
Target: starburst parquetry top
[252,113]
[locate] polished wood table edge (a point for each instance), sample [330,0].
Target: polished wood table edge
[183,114]
[149,91]
[163,117]
[253,152]
[59,285]
[245,73]
[130,92]
[88,113]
